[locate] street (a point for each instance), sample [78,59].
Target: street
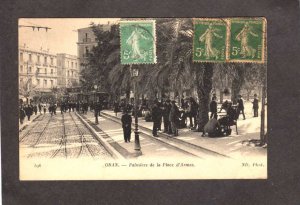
[59,136]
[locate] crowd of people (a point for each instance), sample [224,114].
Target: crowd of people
[165,112]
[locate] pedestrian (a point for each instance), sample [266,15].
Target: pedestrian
[255,106]
[173,118]
[28,111]
[213,108]
[22,114]
[116,108]
[44,108]
[240,106]
[166,113]
[126,125]
[40,108]
[97,109]
[35,109]
[156,115]
[193,112]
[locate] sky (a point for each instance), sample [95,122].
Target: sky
[61,38]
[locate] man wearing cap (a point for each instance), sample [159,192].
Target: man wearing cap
[166,113]
[156,115]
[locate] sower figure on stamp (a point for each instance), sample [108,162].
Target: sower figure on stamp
[240,106]
[255,106]
[126,125]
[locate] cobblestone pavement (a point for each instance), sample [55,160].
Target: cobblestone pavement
[59,136]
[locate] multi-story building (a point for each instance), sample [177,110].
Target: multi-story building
[37,69]
[86,42]
[67,70]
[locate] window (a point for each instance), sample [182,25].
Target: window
[45,60]
[45,82]
[38,81]
[45,71]
[21,69]
[67,63]
[51,81]
[51,61]
[21,80]
[38,59]
[86,50]
[30,58]
[72,65]
[21,56]
[75,65]
[68,73]
[29,70]
[38,70]
[72,73]
[51,71]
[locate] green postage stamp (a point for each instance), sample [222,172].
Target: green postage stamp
[210,36]
[247,40]
[138,42]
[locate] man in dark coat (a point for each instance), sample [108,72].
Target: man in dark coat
[173,117]
[213,108]
[255,106]
[28,110]
[126,125]
[97,109]
[166,113]
[40,108]
[156,115]
[240,106]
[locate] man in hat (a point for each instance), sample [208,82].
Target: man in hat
[255,106]
[126,125]
[240,106]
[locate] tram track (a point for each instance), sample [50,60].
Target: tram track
[63,141]
[31,129]
[83,141]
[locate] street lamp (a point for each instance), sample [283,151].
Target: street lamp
[134,74]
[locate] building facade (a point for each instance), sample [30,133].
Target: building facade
[86,42]
[37,70]
[67,70]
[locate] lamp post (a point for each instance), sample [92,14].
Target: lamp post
[134,74]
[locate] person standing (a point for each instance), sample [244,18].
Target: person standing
[126,125]
[156,118]
[240,106]
[97,108]
[40,108]
[166,113]
[213,108]
[28,111]
[173,117]
[255,106]
[44,108]
[116,108]
[22,114]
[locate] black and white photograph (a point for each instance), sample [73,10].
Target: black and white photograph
[134,99]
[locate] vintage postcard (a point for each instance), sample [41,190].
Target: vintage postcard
[142,99]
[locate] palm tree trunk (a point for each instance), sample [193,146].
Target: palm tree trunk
[237,83]
[204,85]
